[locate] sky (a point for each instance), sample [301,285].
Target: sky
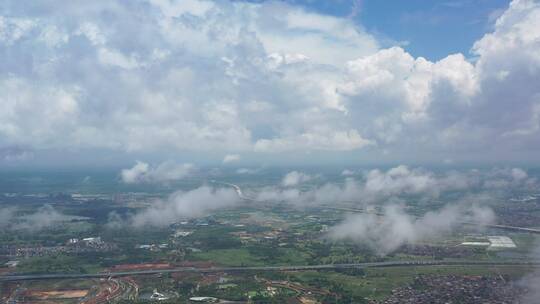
[431,29]
[275,82]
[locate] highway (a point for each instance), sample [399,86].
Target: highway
[12,278]
[506,227]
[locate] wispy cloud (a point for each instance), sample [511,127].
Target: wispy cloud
[44,217]
[356,8]
[395,227]
[230,158]
[294,178]
[165,172]
[181,205]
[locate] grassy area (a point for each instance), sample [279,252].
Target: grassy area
[230,257]
[60,284]
[254,256]
[57,264]
[290,256]
[378,283]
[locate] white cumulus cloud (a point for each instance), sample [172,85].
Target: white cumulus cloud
[265,77]
[295,178]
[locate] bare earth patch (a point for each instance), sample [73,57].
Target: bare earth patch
[62,294]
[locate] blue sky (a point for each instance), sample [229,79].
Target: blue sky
[428,28]
[433,29]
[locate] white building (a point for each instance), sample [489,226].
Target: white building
[501,242]
[92,240]
[204,299]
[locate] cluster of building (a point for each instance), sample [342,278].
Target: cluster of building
[249,237]
[90,244]
[518,210]
[437,251]
[455,289]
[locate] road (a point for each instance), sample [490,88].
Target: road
[506,227]
[236,188]
[112,289]
[8,278]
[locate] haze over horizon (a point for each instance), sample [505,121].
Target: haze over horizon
[234,83]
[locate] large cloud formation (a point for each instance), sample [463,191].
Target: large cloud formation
[267,77]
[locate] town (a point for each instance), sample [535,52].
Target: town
[263,253]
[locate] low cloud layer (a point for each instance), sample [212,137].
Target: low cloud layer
[395,227]
[142,172]
[43,218]
[388,191]
[400,180]
[385,226]
[248,170]
[182,205]
[15,154]
[294,178]
[376,186]
[347,172]
[6,215]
